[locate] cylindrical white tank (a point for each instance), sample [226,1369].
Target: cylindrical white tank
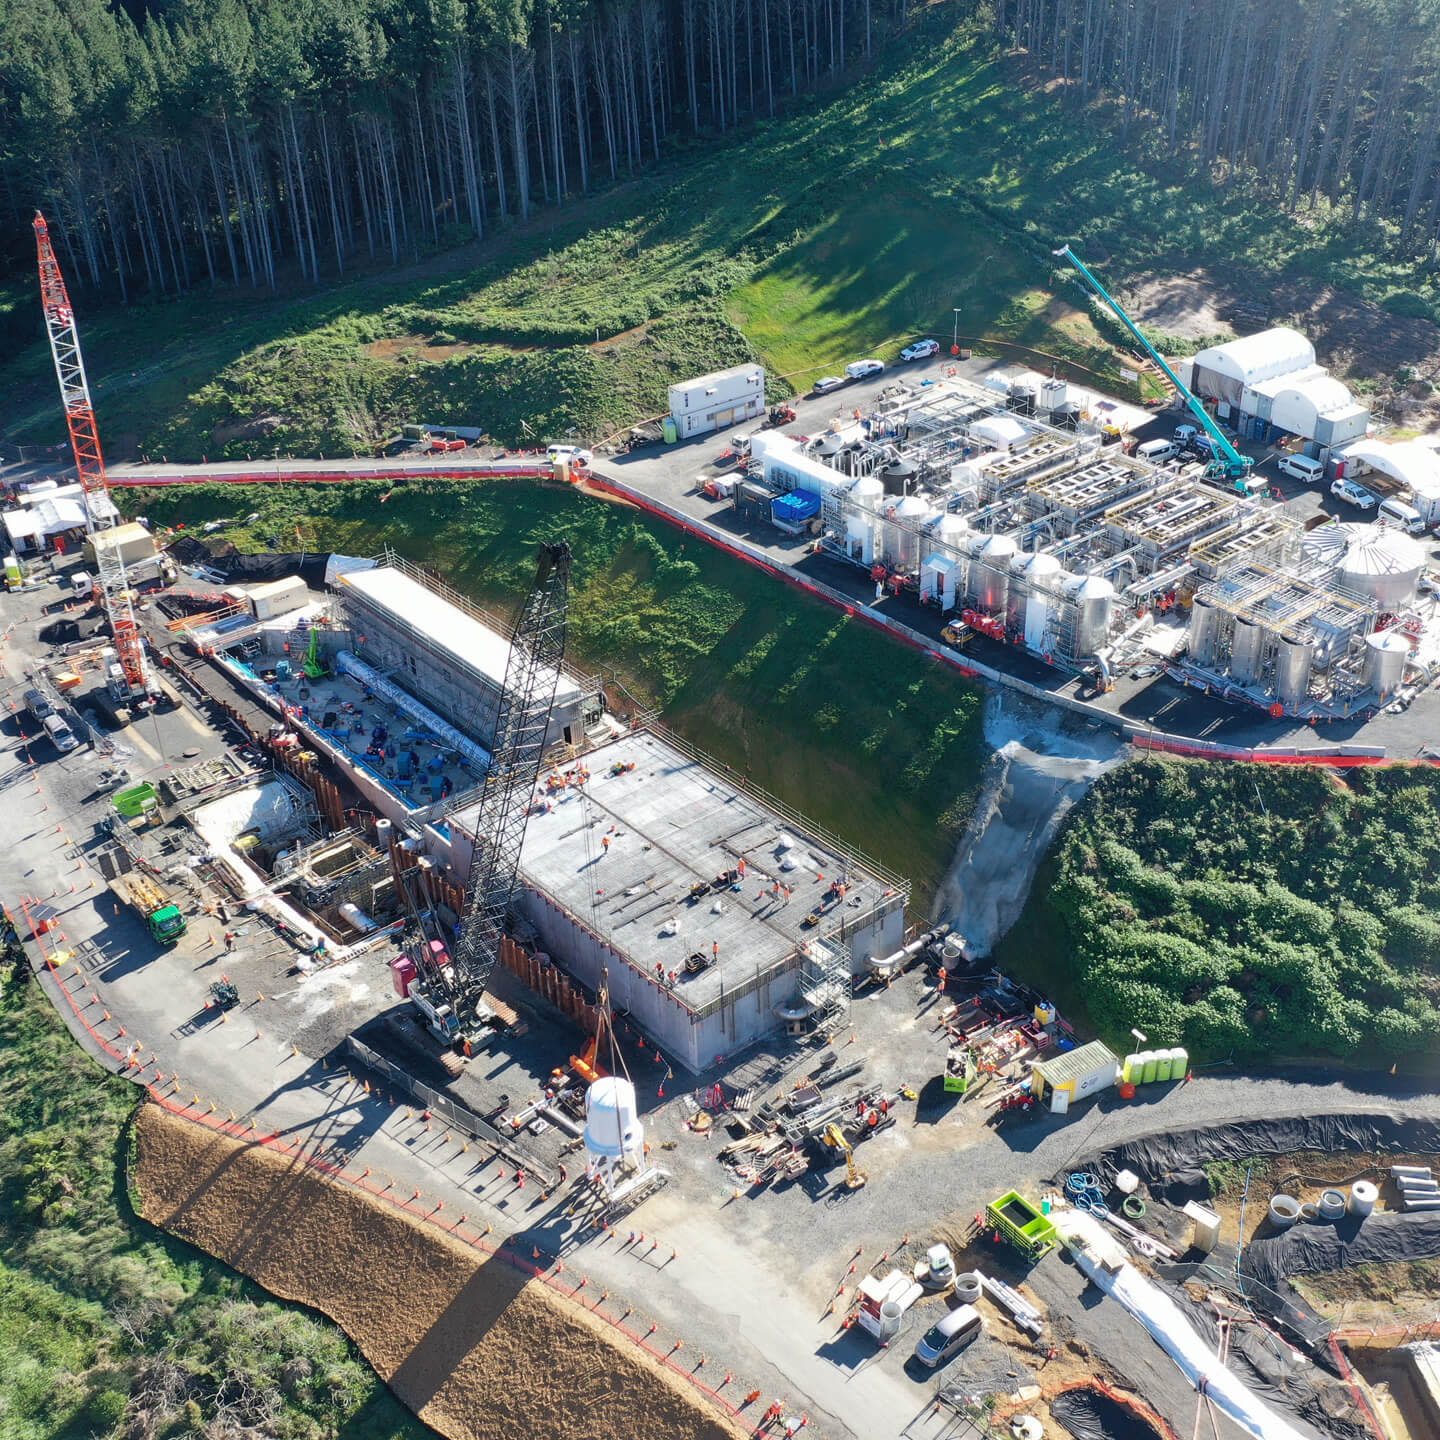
[1384,564]
[990,573]
[1042,577]
[612,1128]
[1093,597]
[1363,1195]
[1019,593]
[860,526]
[1292,669]
[949,528]
[384,830]
[902,542]
[1204,625]
[1245,651]
[867,493]
[358,918]
[1386,652]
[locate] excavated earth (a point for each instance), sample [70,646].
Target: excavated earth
[476,1349]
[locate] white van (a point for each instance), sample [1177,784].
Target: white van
[1407,517]
[1302,467]
[1156,451]
[62,735]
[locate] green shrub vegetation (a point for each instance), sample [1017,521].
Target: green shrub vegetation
[869,739]
[109,1328]
[1248,911]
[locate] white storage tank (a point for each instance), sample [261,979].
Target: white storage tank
[612,1126]
[990,573]
[1292,669]
[1383,563]
[1094,598]
[902,539]
[1204,627]
[949,528]
[860,526]
[1386,653]
[1042,576]
[867,493]
[1245,652]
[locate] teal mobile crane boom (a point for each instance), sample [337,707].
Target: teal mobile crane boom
[1228,463]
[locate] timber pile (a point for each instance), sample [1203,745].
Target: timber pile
[466,1341]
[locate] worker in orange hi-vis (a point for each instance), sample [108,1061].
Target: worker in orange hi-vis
[605,842]
[715,948]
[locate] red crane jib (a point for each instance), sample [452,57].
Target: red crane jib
[84,439]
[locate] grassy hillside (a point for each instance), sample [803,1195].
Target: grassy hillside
[109,1328]
[1247,911]
[868,738]
[851,223]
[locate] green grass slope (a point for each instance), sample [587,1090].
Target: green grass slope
[1247,911]
[942,178]
[867,738]
[109,1328]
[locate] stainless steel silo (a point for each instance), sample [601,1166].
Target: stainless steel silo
[1245,651]
[1293,662]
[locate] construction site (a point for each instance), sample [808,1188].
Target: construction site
[484,986]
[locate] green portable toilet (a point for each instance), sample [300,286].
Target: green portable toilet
[1150,1064]
[1162,1064]
[1179,1063]
[670,430]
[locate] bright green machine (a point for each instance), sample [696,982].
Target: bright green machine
[1032,1233]
[313,665]
[1228,463]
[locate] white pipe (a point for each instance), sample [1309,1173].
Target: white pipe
[1170,1328]
[374,680]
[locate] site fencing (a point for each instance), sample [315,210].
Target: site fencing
[126,1057]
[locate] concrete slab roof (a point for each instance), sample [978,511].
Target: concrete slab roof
[471,643]
[673,823]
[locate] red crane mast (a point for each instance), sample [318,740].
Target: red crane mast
[100,513]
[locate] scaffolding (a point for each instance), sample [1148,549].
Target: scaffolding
[825,985]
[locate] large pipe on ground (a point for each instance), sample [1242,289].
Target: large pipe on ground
[892,964]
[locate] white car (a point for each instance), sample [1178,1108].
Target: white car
[571,454]
[920,350]
[863,369]
[827,383]
[1353,494]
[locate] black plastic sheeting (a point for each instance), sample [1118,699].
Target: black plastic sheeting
[73,628]
[1157,1157]
[1263,1358]
[1314,1248]
[253,569]
[1093,1415]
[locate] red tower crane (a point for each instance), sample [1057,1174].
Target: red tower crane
[100,512]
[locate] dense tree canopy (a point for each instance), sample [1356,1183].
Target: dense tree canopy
[1243,910]
[219,139]
[1333,98]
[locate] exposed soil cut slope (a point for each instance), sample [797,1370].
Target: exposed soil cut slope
[469,1344]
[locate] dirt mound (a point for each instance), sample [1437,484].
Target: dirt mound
[467,1342]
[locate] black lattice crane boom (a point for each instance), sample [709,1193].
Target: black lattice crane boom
[532,673]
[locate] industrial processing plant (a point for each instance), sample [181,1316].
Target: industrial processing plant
[1010,510]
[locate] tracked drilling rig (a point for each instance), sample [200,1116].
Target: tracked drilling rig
[450,982]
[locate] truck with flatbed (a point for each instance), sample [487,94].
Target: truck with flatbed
[145,895]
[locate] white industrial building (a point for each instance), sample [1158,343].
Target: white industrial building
[712,402]
[1414,466]
[1270,382]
